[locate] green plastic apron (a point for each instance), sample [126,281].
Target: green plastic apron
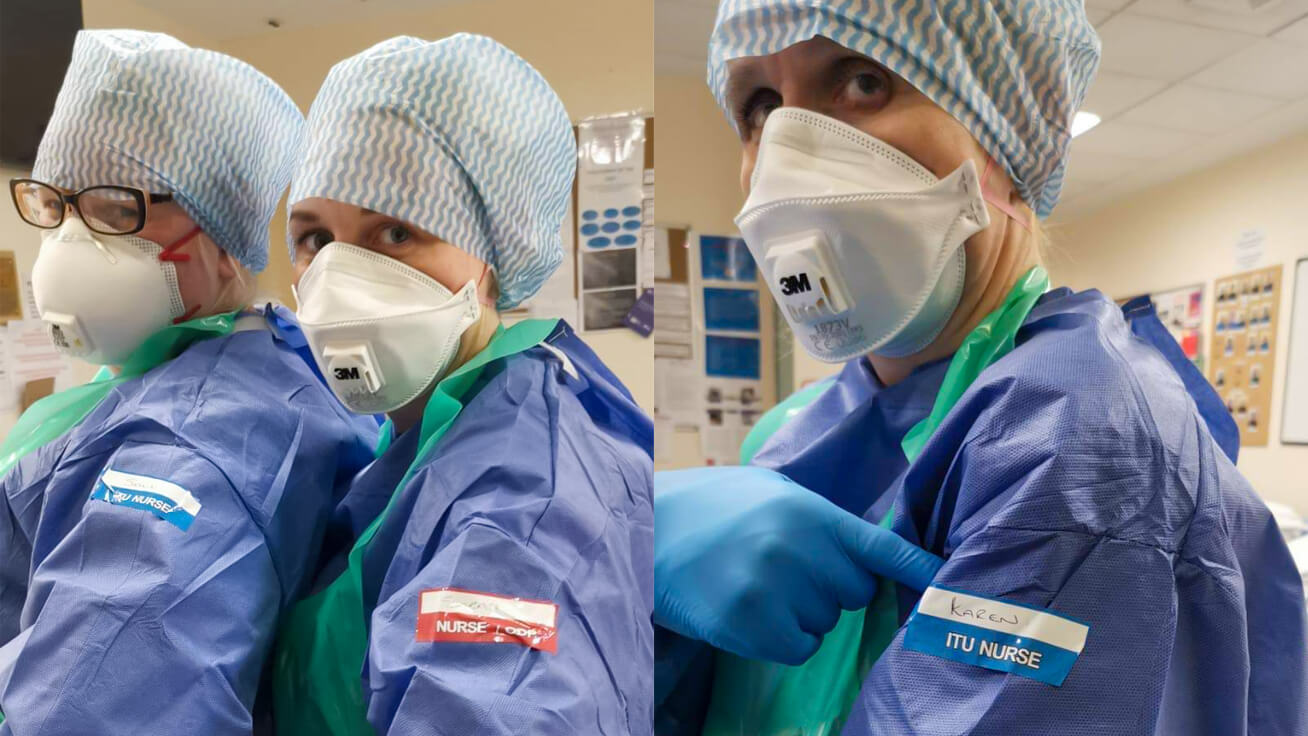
[757,698]
[321,647]
[49,418]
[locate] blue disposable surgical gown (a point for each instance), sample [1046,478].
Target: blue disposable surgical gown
[1075,474]
[117,621]
[541,489]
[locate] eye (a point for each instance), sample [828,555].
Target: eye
[396,234]
[754,112]
[314,240]
[864,85]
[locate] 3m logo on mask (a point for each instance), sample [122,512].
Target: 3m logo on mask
[347,374]
[805,299]
[791,285]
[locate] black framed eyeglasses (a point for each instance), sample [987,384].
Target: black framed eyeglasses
[106,209]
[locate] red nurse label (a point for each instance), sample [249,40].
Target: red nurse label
[451,614]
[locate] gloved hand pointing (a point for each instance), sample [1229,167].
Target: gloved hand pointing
[752,563]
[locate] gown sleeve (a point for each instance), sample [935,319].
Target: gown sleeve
[1090,500]
[529,616]
[154,614]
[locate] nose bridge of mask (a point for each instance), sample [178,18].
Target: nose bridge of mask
[375,284]
[821,156]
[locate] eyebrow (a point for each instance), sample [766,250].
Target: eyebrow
[307,216]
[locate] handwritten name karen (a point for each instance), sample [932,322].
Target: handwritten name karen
[980,614]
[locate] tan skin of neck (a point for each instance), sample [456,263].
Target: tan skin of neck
[316,221]
[822,76]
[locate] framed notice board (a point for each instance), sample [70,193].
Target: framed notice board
[1294,420]
[1244,348]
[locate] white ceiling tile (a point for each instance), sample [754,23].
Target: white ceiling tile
[1083,166]
[1261,22]
[1296,32]
[1187,107]
[1161,49]
[1290,119]
[1267,68]
[1125,139]
[1112,93]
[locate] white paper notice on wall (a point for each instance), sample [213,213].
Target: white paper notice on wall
[32,356]
[1250,248]
[29,297]
[612,214]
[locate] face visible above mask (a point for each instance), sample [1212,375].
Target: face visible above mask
[101,296]
[382,332]
[861,246]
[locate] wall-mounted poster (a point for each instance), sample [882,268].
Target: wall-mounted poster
[1244,348]
[1181,312]
[731,302]
[612,214]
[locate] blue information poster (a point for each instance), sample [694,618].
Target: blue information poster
[731,309]
[725,259]
[732,357]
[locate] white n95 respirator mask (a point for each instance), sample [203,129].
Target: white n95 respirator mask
[861,245]
[382,332]
[101,296]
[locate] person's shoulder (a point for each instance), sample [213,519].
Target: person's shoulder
[1078,371]
[1080,427]
[527,434]
[240,390]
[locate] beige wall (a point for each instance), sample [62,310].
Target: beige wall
[1182,233]
[698,160]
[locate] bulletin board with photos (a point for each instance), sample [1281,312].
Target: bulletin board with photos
[1245,311]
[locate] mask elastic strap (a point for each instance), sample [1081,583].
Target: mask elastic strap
[1001,203]
[170,253]
[485,269]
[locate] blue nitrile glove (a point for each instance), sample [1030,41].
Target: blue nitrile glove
[754,564]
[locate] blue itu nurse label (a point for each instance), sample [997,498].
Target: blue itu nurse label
[164,499]
[995,634]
